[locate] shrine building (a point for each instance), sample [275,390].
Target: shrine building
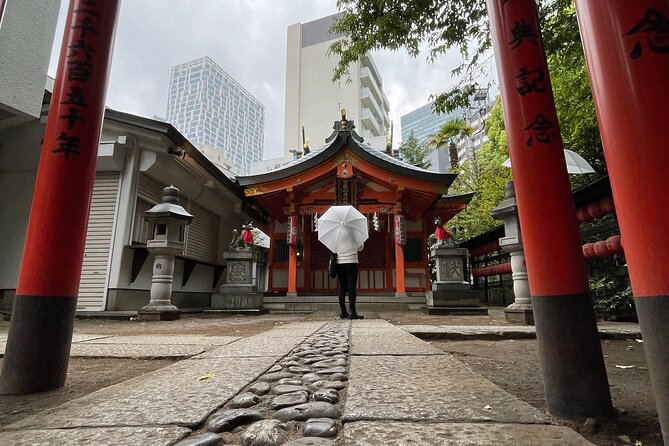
[399,200]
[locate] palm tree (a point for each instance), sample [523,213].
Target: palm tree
[449,133]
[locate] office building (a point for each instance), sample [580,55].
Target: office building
[313,99]
[212,109]
[424,123]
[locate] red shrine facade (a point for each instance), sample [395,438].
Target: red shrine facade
[399,200]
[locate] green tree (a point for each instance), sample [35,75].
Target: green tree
[438,26]
[447,135]
[485,175]
[413,152]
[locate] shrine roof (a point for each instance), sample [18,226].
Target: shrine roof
[345,136]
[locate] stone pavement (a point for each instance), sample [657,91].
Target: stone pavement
[363,382]
[607,330]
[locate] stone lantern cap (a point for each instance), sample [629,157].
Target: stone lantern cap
[169,209]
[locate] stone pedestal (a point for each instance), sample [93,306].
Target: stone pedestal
[451,293]
[512,242]
[243,290]
[160,307]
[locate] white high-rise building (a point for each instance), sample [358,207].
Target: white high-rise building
[212,109]
[314,100]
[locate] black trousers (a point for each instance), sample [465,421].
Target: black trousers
[348,281]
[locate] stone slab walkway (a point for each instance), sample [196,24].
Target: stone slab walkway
[398,390]
[494,332]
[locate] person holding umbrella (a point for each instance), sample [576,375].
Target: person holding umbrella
[343,229]
[347,272]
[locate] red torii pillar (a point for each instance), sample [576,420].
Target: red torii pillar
[570,352]
[40,333]
[628,60]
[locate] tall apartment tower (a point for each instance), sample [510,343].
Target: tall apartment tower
[314,100]
[214,111]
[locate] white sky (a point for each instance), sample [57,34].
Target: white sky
[247,38]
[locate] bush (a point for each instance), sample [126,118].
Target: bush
[610,302]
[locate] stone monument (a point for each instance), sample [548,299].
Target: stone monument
[245,276]
[451,293]
[512,242]
[168,220]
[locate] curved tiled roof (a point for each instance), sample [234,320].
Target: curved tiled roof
[347,137]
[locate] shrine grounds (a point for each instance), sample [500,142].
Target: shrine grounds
[509,360]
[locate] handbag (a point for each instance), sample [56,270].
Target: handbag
[332,265]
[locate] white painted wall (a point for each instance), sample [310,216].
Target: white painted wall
[26,37]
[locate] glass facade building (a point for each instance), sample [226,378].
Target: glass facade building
[210,108]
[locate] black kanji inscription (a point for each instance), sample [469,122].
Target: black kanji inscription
[79,70]
[79,47]
[69,145]
[75,97]
[72,117]
[655,27]
[530,80]
[521,32]
[542,130]
[84,27]
[88,11]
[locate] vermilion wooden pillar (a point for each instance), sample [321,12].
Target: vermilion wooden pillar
[627,53]
[400,287]
[292,255]
[40,333]
[571,356]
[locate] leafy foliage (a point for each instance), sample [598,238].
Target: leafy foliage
[610,302]
[407,25]
[437,26]
[485,175]
[413,152]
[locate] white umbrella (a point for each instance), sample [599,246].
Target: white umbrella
[342,228]
[576,164]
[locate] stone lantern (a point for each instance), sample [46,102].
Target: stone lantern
[169,220]
[512,242]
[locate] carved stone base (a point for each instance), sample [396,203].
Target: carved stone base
[237,301]
[521,313]
[455,297]
[461,311]
[158,313]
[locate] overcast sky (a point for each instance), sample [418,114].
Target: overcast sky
[247,38]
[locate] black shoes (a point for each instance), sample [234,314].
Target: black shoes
[343,316]
[356,316]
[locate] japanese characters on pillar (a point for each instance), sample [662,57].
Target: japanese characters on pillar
[59,215]
[400,230]
[635,142]
[292,230]
[40,333]
[627,53]
[552,243]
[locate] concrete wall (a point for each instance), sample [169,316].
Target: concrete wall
[26,37]
[19,155]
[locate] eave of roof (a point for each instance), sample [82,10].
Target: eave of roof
[180,141]
[350,139]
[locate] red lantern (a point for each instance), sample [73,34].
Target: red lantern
[601,249]
[589,250]
[595,211]
[607,205]
[614,244]
[582,214]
